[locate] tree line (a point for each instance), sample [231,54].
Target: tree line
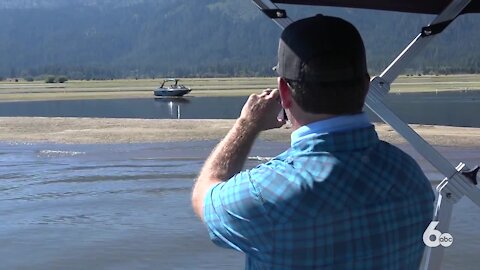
[193,39]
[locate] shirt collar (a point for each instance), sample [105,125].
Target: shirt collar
[334,124]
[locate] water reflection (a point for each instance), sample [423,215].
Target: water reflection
[442,108]
[173,103]
[174,100]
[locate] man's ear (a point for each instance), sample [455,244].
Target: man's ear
[285,93]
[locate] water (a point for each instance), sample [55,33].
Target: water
[103,207]
[128,207]
[146,108]
[444,108]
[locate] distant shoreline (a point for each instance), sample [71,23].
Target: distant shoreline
[118,131]
[237,86]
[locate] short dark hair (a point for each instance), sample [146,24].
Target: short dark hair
[340,97]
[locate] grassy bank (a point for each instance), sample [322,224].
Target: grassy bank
[22,91]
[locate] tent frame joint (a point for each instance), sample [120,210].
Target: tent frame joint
[275,13]
[434,29]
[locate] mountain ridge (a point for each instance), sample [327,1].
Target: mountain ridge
[48,4]
[147,38]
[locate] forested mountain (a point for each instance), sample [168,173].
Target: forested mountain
[146,38]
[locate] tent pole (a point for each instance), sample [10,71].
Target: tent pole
[456,184]
[421,41]
[279,16]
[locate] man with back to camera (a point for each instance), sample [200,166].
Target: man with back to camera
[339,198]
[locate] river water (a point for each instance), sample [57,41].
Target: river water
[444,108]
[128,207]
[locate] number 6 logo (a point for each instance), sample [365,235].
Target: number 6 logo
[444,239]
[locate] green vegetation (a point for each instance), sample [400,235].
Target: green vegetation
[109,89]
[50,79]
[62,79]
[53,79]
[191,38]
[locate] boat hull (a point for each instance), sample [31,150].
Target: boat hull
[171,93]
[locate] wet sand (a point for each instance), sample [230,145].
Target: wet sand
[108,131]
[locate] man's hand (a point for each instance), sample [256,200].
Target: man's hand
[261,111]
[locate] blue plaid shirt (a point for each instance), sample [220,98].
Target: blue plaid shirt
[339,198]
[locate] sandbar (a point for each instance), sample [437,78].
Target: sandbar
[117,131]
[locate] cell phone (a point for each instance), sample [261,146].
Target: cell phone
[282,115]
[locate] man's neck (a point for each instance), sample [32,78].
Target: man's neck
[305,118]
[336,123]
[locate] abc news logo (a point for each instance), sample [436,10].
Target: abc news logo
[434,238]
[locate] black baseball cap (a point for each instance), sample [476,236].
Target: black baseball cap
[321,49]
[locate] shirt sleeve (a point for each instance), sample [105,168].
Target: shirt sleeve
[235,216]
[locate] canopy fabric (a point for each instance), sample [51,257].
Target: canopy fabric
[414,6]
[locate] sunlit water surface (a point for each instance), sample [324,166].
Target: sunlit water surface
[128,207]
[455,108]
